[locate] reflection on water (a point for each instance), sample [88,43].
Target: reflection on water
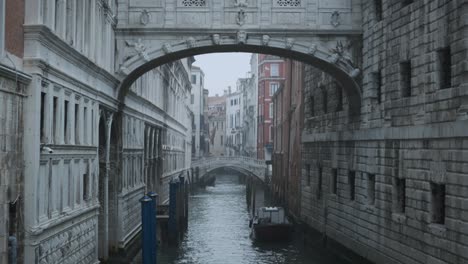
[218,233]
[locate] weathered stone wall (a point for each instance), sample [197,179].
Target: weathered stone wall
[404,147]
[11,160]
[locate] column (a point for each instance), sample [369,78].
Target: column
[33,12]
[71,120]
[49,13]
[92,29]
[60,17]
[61,117]
[70,20]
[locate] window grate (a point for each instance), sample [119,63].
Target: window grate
[289,3]
[194,3]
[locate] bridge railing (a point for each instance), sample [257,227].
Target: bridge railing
[226,159]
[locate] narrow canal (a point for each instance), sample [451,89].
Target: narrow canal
[218,233]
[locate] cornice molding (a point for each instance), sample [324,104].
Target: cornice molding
[47,38]
[14,74]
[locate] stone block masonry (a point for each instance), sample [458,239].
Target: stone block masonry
[394,178]
[11,160]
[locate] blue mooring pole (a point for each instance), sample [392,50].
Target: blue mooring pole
[172,225]
[146,236]
[154,203]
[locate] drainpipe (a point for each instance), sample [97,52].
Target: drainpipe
[12,249]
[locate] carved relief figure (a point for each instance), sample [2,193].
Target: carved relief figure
[341,52]
[241,3]
[241,17]
[138,48]
[289,43]
[191,42]
[335,19]
[144,17]
[241,37]
[167,48]
[313,49]
[265,40]
[216,39]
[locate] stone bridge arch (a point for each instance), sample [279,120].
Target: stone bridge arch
[245,165]
[324,33]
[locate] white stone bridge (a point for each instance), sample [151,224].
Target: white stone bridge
[245,165]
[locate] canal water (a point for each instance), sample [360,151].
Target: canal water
[218,233]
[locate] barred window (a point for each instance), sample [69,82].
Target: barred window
[194,2]
[289,2]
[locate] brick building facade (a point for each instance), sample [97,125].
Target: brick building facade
[271,77]
[391,183]
[288,121]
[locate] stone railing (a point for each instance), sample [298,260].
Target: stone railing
[254,166]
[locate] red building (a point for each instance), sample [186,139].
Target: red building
[271,76]
[287,125]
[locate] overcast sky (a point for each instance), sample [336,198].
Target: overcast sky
[222,70]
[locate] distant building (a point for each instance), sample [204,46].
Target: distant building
[197,102]
[234,125]
[271,77]
[217,124]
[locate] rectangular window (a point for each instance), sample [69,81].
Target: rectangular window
[55,119]
[371,188]
[334,183]
[192,98]
[85,186]
[271,110]
[378,9]
[319,184]
[308,174]
[405,78]
[43,132]
[65,122]
[324,100]
[77,125]
[352,184]
[377,83]
[194,78]
[222,140]
[274,70]
[273,88]
[85,124]
[339,97]
[312,106]
[400,195]
[271,133]
[444,59]
[438,203]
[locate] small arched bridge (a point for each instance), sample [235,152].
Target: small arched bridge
[245,165]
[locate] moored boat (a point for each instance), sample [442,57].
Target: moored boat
[271,224]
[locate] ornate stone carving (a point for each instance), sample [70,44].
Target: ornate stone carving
[312,49]
[139,48]
[216,39]
[265,40]
[289,43]
[241,16]
[335,19]
[191,42]
[289,3]
[194,3]
[167,48]
[241,37]
[340,52]
[355,72]
[241,3]
[144,17]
